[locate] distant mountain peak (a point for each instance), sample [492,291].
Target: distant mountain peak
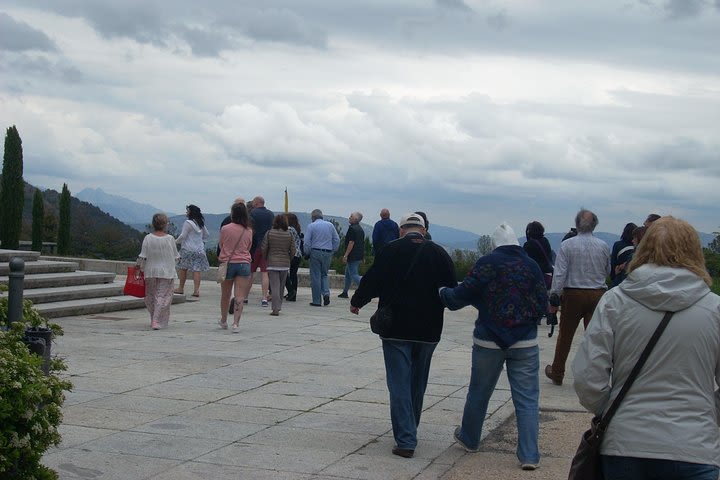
[124,209]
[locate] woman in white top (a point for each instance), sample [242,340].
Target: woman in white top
[192,249]
[667,425]
[157,260]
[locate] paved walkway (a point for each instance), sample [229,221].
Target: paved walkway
[299,396]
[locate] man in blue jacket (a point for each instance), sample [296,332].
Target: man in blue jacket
[385,231]
[508,290]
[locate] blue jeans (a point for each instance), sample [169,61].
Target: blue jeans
[522,371]
[407,366]
[319,266]
[352,274]
[625,468]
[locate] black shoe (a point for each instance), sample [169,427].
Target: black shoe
[315,304]
[290,298]
[326,300]
[343,295]
[403,452]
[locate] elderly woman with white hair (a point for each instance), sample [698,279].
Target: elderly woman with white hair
[508,290]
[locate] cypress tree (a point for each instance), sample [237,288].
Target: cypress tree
[12,195]
[38,221]
[63,241]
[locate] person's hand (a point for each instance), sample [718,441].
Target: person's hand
[354,310]
[345,260]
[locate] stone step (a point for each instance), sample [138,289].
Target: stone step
[71,292]
[27,256]
[45,280]
[88,306]
[41,266]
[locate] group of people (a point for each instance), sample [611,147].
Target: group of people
[668,425]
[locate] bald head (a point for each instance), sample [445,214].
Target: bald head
[258,201]
[384,213]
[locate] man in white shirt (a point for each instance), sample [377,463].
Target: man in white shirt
[581,268]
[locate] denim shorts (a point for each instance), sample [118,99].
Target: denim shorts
[237,270]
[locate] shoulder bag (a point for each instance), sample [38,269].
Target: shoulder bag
[223,266]
[381,321]
[586,462]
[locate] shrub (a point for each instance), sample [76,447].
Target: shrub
[30,402]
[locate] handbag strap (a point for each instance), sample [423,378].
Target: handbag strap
[237,243]
[635,372]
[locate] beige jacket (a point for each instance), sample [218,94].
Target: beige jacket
[278,248]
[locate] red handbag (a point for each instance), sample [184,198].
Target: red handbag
[135,282]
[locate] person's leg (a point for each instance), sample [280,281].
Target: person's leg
[283,276]
[274,279]
[355,272]
[420,370]
[623,468]
[196,284]
[293,278]
[487,364]
[225,289]
[397,355]
[591,300]
[265,283]
[151,298]
[241,285]
[522,371]
[315,269]
[164,300]
[348,280]
[182,276]
[325,283]
[570,316]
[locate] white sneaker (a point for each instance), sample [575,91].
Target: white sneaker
[236,328]
[529,466]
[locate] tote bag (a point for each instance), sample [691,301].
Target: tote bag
[135,282]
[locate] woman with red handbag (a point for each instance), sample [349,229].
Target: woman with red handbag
[157,261]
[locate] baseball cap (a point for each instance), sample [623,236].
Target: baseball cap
[412,219]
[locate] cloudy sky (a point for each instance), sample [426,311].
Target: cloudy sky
[476,111]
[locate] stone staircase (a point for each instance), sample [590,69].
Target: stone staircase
[59,289]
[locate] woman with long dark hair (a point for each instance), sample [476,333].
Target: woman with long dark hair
[292,279]
[235,241]
[192,249]
[538,248]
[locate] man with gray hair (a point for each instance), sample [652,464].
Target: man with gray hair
[354,252]
[321,240]
[581,267]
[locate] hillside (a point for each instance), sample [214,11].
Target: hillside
[124,209]
[93,232]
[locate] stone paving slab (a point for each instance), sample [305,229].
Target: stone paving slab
[299,396]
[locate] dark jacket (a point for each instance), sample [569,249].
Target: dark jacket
[418,312]
[540,251]
[384,232]
[262,220]
[622,252]
[508,290]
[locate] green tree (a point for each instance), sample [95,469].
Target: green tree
[63,241]
[12,194]
[38,218]
[484,244]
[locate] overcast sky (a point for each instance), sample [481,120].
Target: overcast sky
[476,111]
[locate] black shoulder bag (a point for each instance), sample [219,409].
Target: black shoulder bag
[586,462]
[381,321]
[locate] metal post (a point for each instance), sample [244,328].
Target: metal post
[15,289]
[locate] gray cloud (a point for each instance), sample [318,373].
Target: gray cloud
[454,4]
[34,69]
[18,36]
[205,42]
[498,21]
[679,9]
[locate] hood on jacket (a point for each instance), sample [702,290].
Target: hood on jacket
[194,226]
[664,288]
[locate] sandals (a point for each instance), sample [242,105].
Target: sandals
[222,325]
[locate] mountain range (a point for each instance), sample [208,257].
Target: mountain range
[138,215]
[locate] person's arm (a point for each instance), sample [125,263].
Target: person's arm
[335,240]
[560,274]
[265,245]
[205,233]
[349,249]
[472,285]
[370,284]
[186,228]
[593,363]
[308,240]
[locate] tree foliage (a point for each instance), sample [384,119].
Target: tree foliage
[484,244]
[12,194]
[63,241]
[38,221]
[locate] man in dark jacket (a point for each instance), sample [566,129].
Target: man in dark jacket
[262,220]
[407,274]
[385,231]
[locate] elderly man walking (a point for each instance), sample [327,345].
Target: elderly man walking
[581,267]
[321,240]
[406,276]
[354,252]
[385,231]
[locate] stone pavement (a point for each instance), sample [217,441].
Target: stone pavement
[299,396]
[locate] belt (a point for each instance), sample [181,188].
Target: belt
[322,249]
[591,289]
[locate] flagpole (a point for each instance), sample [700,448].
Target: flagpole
[286,201]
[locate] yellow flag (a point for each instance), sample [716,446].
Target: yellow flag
[286,201]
